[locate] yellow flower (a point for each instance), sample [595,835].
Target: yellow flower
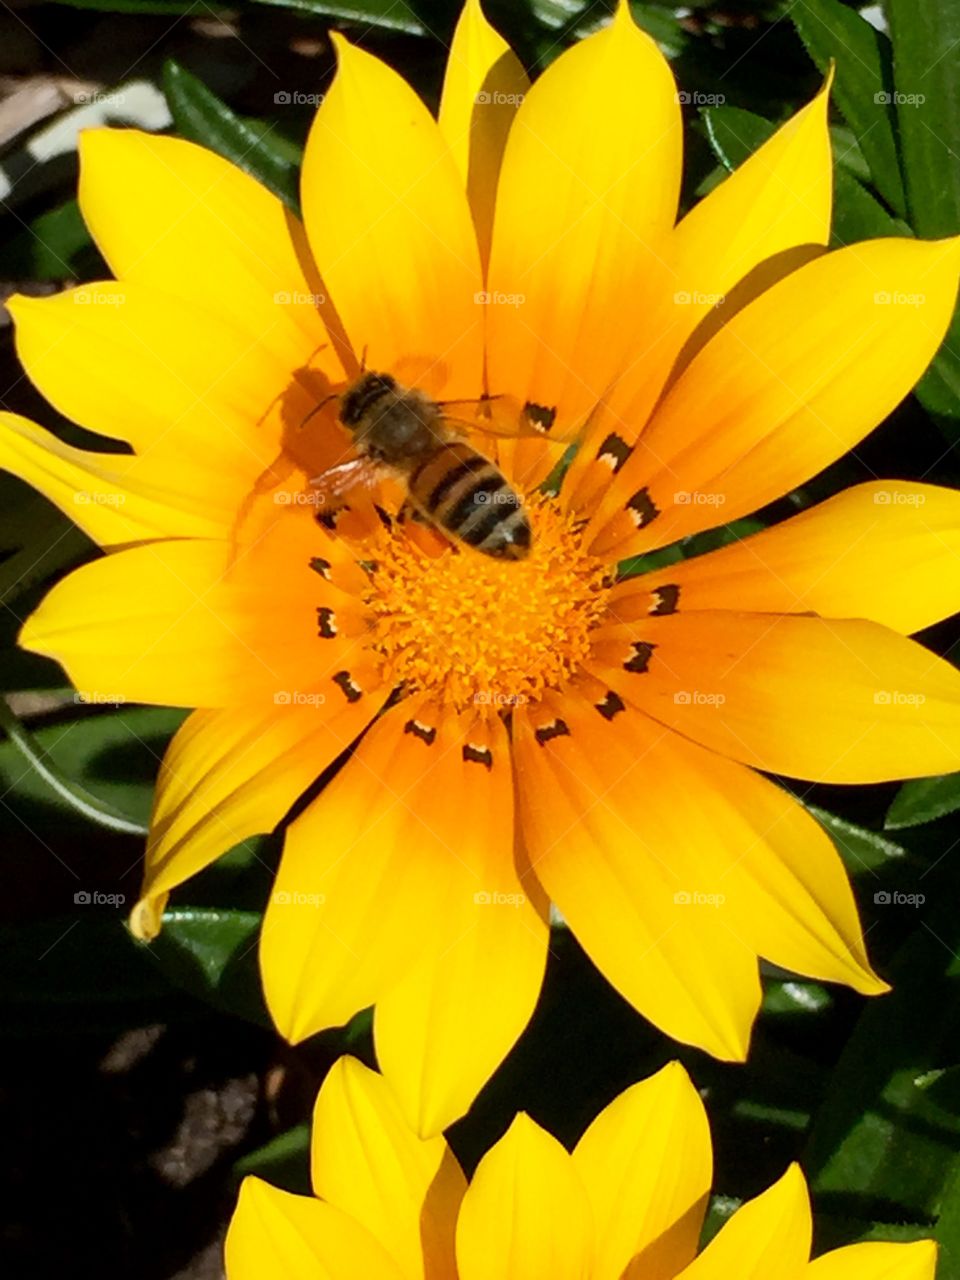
[628,1203]
[521,732]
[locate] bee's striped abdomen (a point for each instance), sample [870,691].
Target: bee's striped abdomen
[464,493]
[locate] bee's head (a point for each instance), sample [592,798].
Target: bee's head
[357,401]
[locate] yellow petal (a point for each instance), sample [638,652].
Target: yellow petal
[139,365]
[368,869]
[483,86]
[274,1233]
[885,551]
[526,1213]
[647,1165]
[788,385]
[613,875]
[231,774]
[828,700]
[114,498]
[390,228]
[445,1027]
[768,1236]
[778,201]
[781,886]
[760,223]
[871,1261]
[174,216]
[588,194]
[171,623]
[367,1162]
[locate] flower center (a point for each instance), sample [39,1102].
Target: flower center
[469,628]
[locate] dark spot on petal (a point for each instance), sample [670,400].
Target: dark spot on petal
[425,732]
[666,599]
[555,729]
[640,661]
[540,415]
[321,566]
[614,451]
[386,519]
[326,622]
[350,689]
[611,705]
[642,508]
[328,519]
[478,755]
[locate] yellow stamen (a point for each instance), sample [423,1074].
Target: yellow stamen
[471,629]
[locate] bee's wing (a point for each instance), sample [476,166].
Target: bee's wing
[521,430]
[334,484]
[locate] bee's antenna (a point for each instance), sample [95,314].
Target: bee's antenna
[317,408]
[470,400]
[363,359]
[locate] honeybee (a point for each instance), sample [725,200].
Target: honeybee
[402,432]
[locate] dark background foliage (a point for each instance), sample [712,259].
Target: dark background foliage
[138,1084]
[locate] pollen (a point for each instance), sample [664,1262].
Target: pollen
[468,628]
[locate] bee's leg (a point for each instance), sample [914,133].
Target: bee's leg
[412,513]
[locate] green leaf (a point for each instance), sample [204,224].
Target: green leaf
[926,53]
[201,116]
[284,1161]
[81,971]
[388,15]
[56,245]
[861,850]
[734,134]
[62,786]
[924,800]
[110,756]
[212,953]
[885,1140]
[36,541]
[864,85]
